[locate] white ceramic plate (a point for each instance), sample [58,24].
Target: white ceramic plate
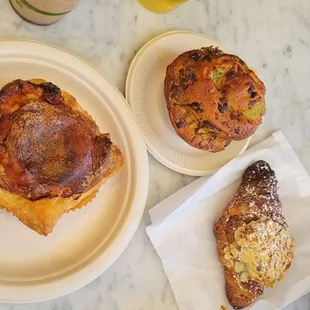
[84,242]
[145,93]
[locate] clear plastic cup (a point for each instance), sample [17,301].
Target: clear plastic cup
[161,6]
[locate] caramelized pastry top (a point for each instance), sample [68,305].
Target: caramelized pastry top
[213,98]
[49,147]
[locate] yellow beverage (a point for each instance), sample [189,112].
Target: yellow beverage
[161,6]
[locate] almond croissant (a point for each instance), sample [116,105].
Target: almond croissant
[253,239]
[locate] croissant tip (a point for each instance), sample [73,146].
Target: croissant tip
[258,169]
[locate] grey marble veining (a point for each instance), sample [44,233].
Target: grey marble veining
[272,36]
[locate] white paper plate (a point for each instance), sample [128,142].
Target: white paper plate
[84,242]
[145,93]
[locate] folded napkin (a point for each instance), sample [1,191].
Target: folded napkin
[182,230]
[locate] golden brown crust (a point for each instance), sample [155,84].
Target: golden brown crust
[42,215]
[213,98]
[239,294]
[52,156]
[255,200]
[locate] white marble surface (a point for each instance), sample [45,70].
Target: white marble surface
[273,36]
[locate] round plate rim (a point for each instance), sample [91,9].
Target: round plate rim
[162,159]
[88,272]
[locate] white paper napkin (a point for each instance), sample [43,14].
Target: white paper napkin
[182,230]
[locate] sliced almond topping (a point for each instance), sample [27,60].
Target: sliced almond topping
[262,250]
[227,250]
[241,242]
[244,277]
[239,267]
[234,251]
[227,256]
[248,256]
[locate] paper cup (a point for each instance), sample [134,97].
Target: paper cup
[43,12]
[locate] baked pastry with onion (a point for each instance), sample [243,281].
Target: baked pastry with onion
[213,98]
[53,158]
[253,238]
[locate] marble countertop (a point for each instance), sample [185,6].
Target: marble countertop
[272,36]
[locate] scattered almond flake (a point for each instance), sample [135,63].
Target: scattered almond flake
[264,254]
